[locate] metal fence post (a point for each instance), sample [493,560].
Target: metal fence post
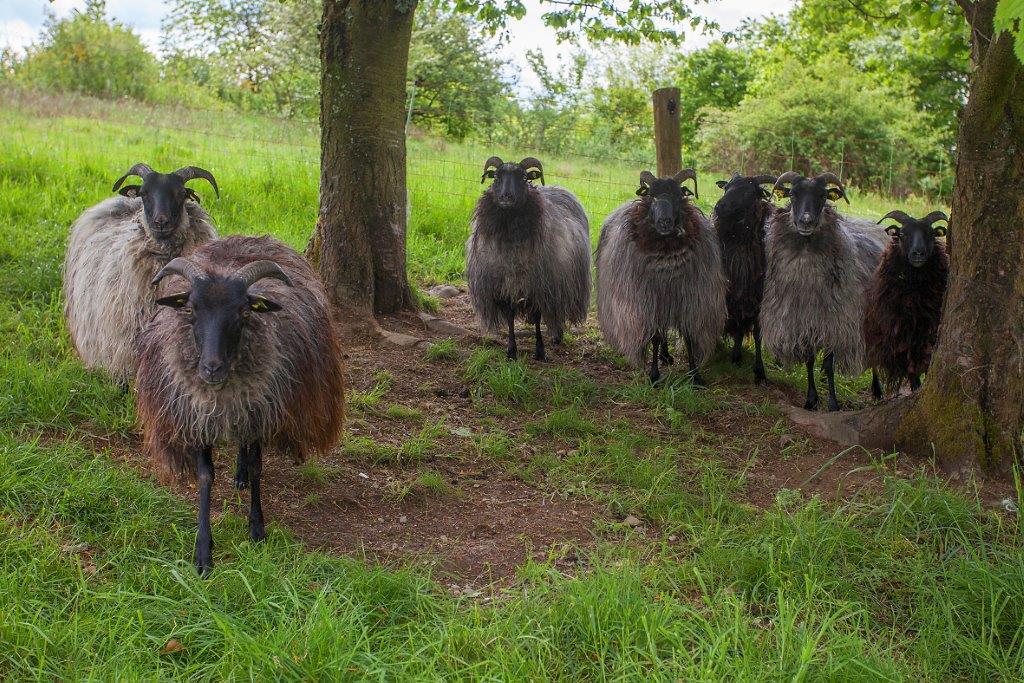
[892,148]
[667,137]
[842,157]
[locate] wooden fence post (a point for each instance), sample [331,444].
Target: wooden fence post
[667,139]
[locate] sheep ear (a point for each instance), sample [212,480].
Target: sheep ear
[191,194]
[892,231]
[130,190]
[765,194]
[686,191]
[535,174]
[782,192]
[261,304]
[835,194]
[721,183]
[489,173]
[178,300]
[940,231]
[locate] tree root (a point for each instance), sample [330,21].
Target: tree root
[873,427]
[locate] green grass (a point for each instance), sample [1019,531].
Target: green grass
[912,582]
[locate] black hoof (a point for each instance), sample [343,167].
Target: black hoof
[204,563]
[833,406]
[666,358]
[511,354]
[540,356]
[257,533]
[241,482]
[760,377]
[811,404]
[737,359]
[655,377]
[698,381]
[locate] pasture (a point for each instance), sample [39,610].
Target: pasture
[482,519]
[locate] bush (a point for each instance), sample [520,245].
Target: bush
[91,54]
[819,116]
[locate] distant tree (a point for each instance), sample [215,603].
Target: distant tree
[90,53]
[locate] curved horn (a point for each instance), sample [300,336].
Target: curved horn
[787,177]
[834,179]
[180,266]
[141,170]
[493,162]
[935,216]
[251,273]
[187,173]
[687,174]
[765,179]
[646,178]
[533,162]
[898,216]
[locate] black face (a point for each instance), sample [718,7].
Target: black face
[742,195]
[668,198]
[511,183]
[163,200]
[218,310]
[916,240]
[807,201]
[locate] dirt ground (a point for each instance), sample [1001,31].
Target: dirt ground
[487,521]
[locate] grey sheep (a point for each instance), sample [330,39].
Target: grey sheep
[115,249]
[659,268]
[242,349]
[820,264]
[528,254]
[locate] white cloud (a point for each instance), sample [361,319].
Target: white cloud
[16,34]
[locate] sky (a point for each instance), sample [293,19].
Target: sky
[21,21]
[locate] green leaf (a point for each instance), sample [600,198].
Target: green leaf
[1010,17]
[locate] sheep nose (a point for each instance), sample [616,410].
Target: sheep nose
[213,371]
[160,220]
[806,217]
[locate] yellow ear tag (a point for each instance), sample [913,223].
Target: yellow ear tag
[258,305]
[779,193]
[181,300]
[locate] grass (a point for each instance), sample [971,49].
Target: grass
[914,581]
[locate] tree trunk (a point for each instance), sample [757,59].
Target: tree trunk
[359,243]
[970,412]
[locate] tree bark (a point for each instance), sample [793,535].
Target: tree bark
[970,412]
[359,243]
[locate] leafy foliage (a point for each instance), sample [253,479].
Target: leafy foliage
[1010,17]
[89,53]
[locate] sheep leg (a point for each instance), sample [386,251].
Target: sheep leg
[697,380]
[241,475]
[204,537]
[510,350]
[254,466]
[737,347]
[812,391]
[915,382]
[538,349]
[666,357]
[759,376]
[876,386]
[654,375]
[829,366]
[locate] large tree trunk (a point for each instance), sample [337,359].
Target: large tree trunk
[970,412]
[359,243]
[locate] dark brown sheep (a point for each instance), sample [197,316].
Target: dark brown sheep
[739,220]
[904,306]
[243,349]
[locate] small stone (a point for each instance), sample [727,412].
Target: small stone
[443,538]
[364,475]
[632,521]
[672,538]
[443,291]
[403,519]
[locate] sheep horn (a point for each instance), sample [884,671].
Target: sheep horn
[935,216]
[493,162]
[834,179]
[180,266]
[764,179]
[687,174]
[898,216]
[141,170]
[251,273]
[647,178]
[187,173]
[787,177]
[532,162]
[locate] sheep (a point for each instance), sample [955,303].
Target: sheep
[819,267]
[904,302]
[739,220]
[659,269]
[115,249]
[528,254]
[243,348]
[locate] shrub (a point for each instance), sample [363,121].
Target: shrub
[89,53]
